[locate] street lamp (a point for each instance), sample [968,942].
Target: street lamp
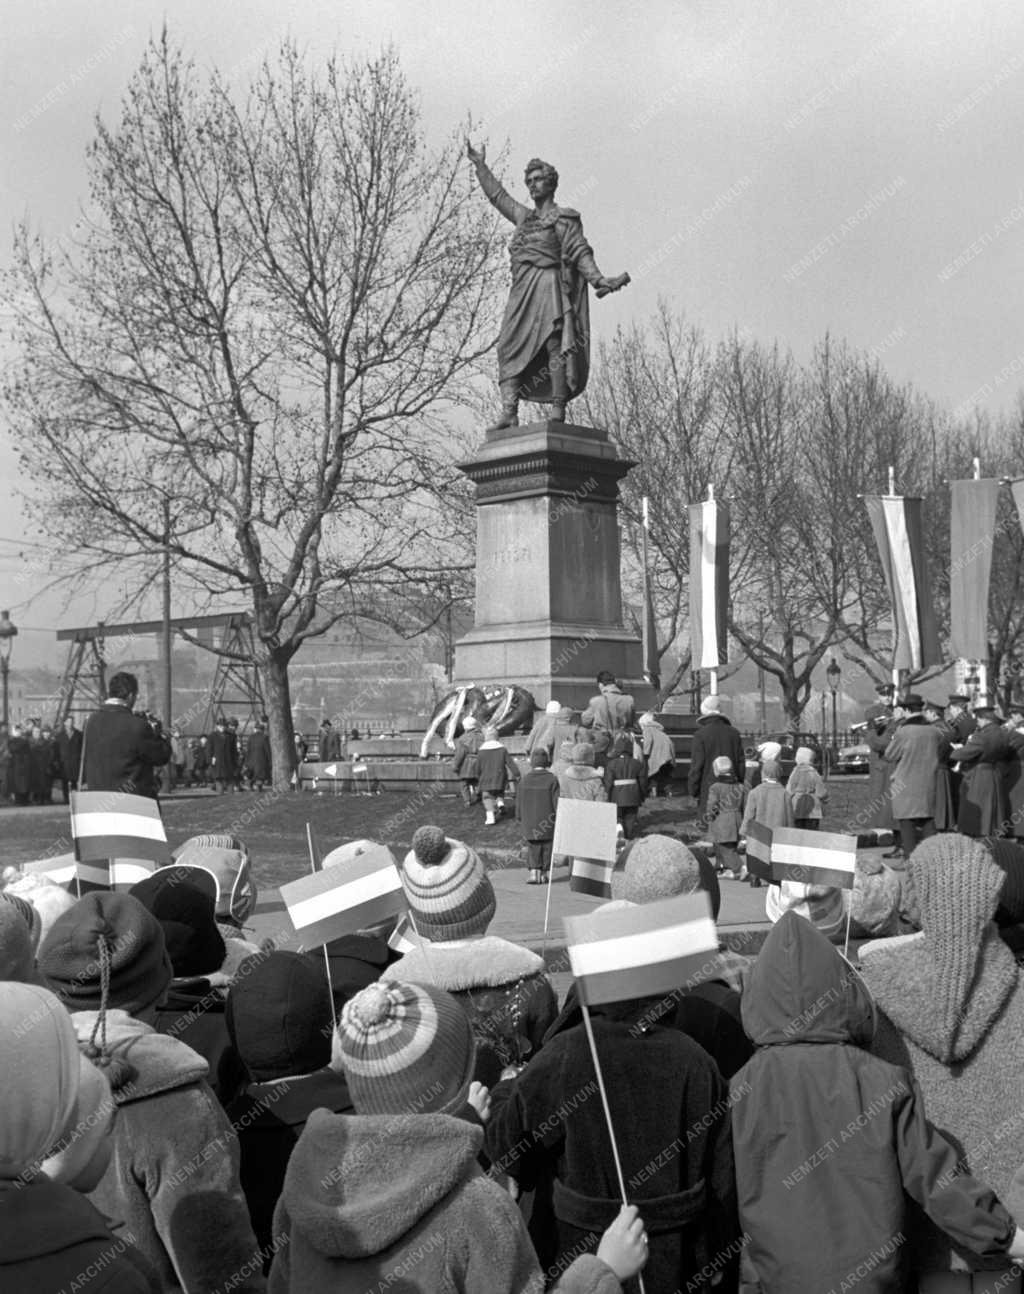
[834,674]
[7,635]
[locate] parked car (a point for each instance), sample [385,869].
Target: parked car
[852,759]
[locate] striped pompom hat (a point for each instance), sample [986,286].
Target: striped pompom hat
[405,1049]
[448,890]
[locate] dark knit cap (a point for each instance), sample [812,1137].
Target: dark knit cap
[106,936]
[186,912]
[279,1016]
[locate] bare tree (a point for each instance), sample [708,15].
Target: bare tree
[655,394]
[270,312]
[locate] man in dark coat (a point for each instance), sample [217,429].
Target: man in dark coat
[715,736]
[914,755]
[123,750]
[258,757]
[69,754]
[20,756]
[223,756]
[959,718]
[945,800]
[330,742]
[987,753]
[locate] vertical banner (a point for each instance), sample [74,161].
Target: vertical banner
[652,664]
[896,523]
[1017,490]
[709,583]
[972,530]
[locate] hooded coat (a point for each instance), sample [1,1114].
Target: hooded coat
[658,748]
[173,1177]
[828,1137]
[581,782]
[50,1236]
[670,1109]
[951,1005]
[503,988]
[371,1199]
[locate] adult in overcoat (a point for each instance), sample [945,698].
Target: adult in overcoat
[223,756]
[985,757]
[258,757]
[715,736]
[20,756]
[913,756]
[877,736]
[69,755]
[945,798]
[122,749]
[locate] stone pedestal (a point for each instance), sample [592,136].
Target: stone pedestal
[548,596]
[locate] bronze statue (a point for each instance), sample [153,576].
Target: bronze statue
[544,344]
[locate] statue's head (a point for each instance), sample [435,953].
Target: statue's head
[541,175]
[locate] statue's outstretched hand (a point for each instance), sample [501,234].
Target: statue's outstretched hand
[605,285]
[476,155]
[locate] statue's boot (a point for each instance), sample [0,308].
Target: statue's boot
[509,407]
[559,390]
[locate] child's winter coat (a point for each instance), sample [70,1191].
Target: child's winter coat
[767,804]
[727,799]
[536,803]
[829,1140]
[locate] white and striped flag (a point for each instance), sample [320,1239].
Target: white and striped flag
[813,857]
[759,851]
[591,876]
[113,825]
[709,583]
[896,523]
[398,939]
[642,951]
[337,901]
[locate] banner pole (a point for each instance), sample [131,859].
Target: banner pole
[607,1111]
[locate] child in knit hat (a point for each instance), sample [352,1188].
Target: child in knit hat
[19,934]
[498,771]
[625,783]
[807,791]
[830,1140]
[397,1188]
[54,1145]
[536,806]
[767,804]
[581,780]
[727,798]
[279,1020]
[501,985]
[173,1177]
[182,900]
[466,760]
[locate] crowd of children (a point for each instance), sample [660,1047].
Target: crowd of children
[185,1112]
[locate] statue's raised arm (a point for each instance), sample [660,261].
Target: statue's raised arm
[544,344]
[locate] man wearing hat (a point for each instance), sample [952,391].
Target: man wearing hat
[715,736]
[914,755]
[882,708]
[988,753]
[959,717]
[945,796]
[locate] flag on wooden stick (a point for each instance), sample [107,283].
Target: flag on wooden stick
[642,951]
[709,583]
[337,901]
[896,523]
[759,851]
[813,857]
[112,824]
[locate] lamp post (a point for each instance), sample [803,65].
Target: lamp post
[7,635]
[834,674]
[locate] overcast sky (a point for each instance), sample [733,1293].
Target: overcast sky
[786,167]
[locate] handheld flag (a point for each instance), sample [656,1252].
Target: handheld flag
[112,824]
[813,857]
[759,851]
[398,940]
[642,951]
[591,876]
[340,900]
[585,829]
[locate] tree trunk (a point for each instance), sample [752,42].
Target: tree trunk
[274,676]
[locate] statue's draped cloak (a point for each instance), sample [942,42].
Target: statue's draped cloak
[552,263]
